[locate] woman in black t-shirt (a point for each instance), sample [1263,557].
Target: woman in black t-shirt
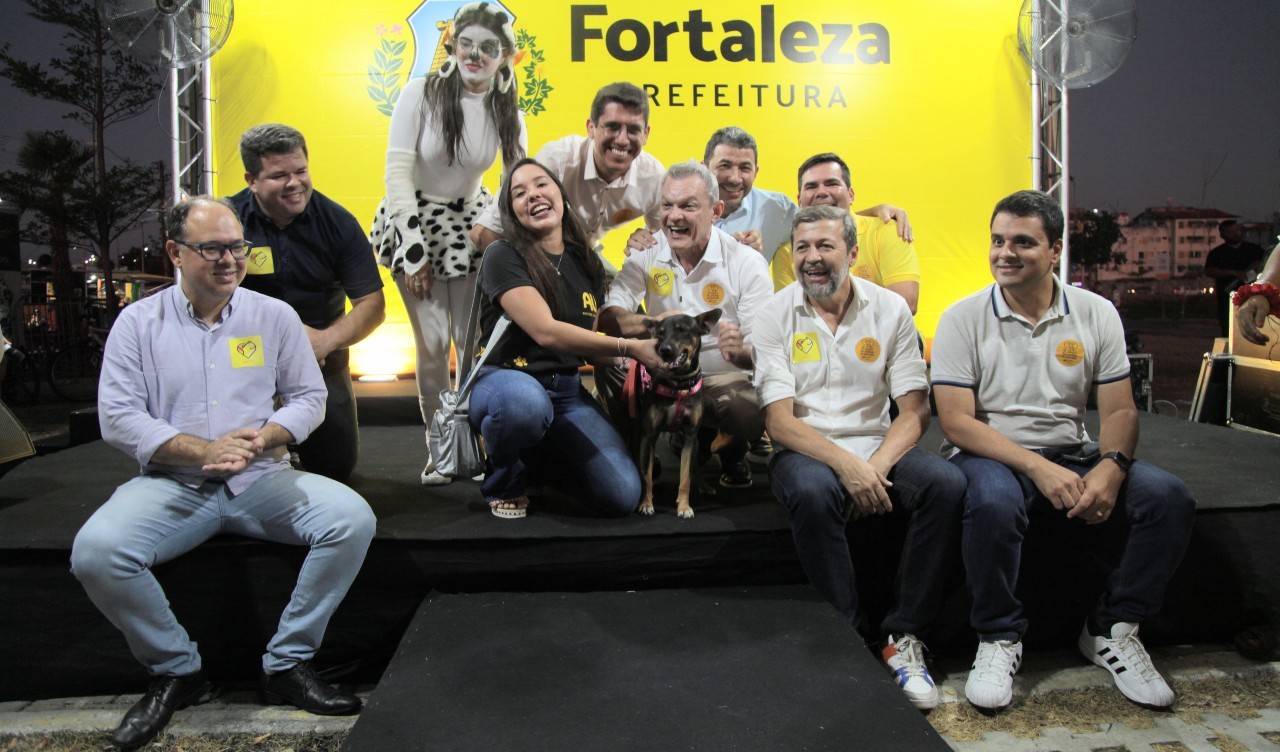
[528,402]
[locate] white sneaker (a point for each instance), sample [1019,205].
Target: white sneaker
[905,660]
[990,682]
[1124,656]
[430,477]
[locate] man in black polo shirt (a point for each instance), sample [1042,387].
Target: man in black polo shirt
[1231,264]
[311,253]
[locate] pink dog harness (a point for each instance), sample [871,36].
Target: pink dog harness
[680,394]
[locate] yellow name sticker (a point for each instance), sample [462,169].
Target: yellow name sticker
[868,349]
[660,281]
[1070,352]
[804,348]
[246,352]
[712,293]
[261,260]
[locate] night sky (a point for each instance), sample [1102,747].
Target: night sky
[1192,117]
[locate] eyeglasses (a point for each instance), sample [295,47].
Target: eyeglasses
[214,251]
[489,47]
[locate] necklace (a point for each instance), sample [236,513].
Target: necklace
[559,261]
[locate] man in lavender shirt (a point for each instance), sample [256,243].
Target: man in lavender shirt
[189,388]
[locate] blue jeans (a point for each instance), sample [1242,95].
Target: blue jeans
[1157,505]
[925,487]
[153,519]
[549,427]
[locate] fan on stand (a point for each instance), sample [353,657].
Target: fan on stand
[1071,44]
[177,33]
[1077,43]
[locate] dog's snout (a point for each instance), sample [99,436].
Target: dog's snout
[666,351]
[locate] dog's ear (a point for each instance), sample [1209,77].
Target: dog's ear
[708,320]
[651,325]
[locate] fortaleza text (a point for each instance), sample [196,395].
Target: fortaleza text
[744,95]
[628,39]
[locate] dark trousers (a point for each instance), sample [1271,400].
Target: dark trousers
[1157,505]
[926,488]
[333,448]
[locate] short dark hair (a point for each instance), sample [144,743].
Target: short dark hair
[626,94]
[818,159]
[269,138]
[733,136]
[176,217]
[823,213]
[1034,204]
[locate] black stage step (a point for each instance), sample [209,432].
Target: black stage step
[719,669]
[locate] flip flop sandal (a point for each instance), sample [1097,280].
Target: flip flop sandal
[520,509]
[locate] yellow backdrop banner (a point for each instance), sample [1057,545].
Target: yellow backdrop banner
[928,102]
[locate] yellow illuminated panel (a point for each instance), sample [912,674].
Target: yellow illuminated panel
[927,101]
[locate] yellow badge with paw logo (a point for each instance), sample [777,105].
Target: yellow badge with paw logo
[804,348]
[661,281]
[868,349]
[246,352]
[261,260]
[1070,352]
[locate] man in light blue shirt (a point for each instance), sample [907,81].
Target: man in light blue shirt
[191,380]
[753,216]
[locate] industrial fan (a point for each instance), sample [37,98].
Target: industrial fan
[1077,43]
[177,33]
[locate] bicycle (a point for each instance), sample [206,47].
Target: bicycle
[22,377]
[74,370]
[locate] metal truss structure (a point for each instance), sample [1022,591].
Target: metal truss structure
[189,119]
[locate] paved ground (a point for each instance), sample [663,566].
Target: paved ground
[239,712]
[1181,664]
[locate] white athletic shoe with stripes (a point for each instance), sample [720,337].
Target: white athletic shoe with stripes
[904,657]
[1124,656]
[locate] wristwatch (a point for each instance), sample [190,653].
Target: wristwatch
[1117,457]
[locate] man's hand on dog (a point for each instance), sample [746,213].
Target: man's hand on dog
[866,485]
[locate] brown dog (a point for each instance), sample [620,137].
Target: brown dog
[672,401]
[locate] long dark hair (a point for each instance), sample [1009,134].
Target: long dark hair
[576,242]
[442,97]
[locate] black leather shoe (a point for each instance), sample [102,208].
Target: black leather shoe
[151,714]
[300,686]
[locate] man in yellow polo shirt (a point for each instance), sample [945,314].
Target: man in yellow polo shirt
[884,258]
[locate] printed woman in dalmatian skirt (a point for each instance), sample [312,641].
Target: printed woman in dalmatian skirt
[445,131]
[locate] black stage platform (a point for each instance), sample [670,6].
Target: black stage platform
[229,592]
[725,669]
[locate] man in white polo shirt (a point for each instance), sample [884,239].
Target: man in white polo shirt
[1013,366]
[609,179]
[830,353]
[694,268]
